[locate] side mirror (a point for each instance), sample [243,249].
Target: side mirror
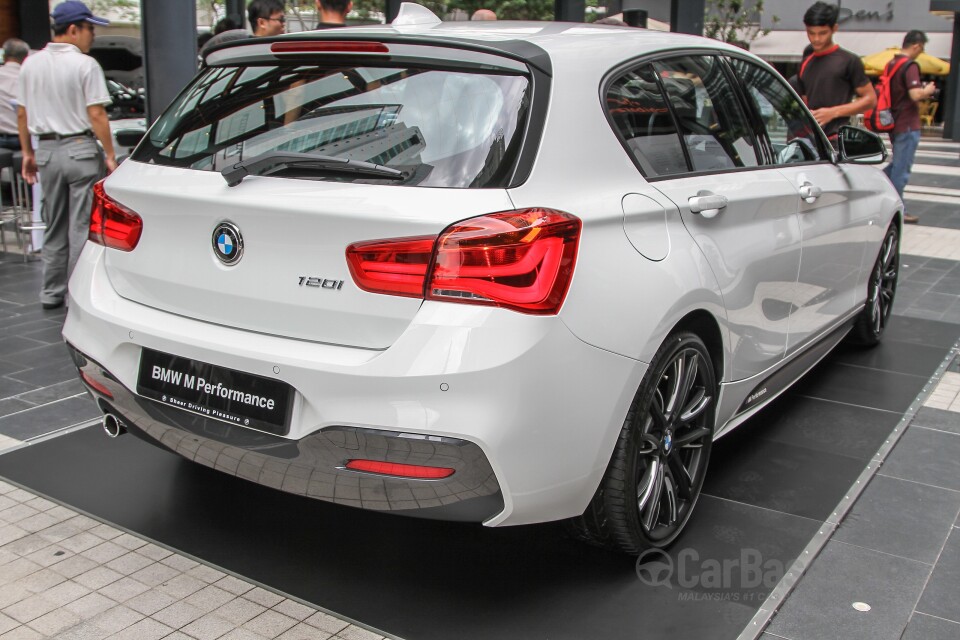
[129,137]
[861,146]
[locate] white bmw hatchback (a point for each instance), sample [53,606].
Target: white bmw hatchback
[494,272]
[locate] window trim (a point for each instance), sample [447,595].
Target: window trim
[613,74]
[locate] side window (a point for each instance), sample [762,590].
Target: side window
[715,130]
[791,130]
[640,114]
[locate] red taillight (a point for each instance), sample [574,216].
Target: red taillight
[396,266]
[112,224]
[329,47]
[521,260]
[402,470]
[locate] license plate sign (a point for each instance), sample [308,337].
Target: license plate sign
[232,396]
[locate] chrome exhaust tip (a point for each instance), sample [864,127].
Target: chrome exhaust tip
[112,425]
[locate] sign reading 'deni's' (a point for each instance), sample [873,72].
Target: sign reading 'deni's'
[859,15]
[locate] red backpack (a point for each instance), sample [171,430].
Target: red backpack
[880,118]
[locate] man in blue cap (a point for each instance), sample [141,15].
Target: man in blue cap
[63,97]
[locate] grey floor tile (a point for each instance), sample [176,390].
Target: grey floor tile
[41,354]
[937,419]
[924,627]
[48,417]
[10,387]
[821,606]
[49,335]
[940,595]
[901,518]
[12,345]
[926,456]
[938,302]
[54,392]
[12,405]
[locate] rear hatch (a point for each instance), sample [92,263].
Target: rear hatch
[451,130]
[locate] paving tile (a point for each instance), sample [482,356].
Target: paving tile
[263,597]
[209,598]
[27,545]
[149,602]
[22,633]
[181,586]
[155,574]
[129,563]
[937,419]
[116,619]
[239,610]
[98,577]
[353,632]
[41,580]
[54,622]
[80,542]
[821,604]
[49,417]
[205,573]
[106,532]
[177,615]
[180,563]
[304,632]
[54,392]
[65,593]
[154,552]
[60,531]
[73,566]
[926,456]
[242,634]
[7,623]
[270,624]
[326,622]
[29,609]
[49,555]
[208,627]
[123,589]
[130,542]
[90,605]
[295,610]
[234,585]
[901,518]
[924,627]
[104,552]
[145,629]
[940,595]
[13,593]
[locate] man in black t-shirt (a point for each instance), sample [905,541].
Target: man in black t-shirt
[830,77]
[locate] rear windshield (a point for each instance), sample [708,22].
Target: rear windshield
[441,128]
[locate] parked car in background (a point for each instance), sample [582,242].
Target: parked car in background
[495,272]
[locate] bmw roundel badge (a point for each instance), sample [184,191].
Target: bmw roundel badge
[227,243]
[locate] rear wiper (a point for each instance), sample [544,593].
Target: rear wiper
[275,161]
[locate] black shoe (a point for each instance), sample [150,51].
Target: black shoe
[52,305]
[909,219]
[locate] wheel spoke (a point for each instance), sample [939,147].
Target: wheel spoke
[676,380]
[652,444]
[681,476]
[690,438]
[670,499]
[691,368]
[696,406]
[652,511]
[659,420]
[647,485]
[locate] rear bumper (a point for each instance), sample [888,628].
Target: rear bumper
[518,403]
[313,466]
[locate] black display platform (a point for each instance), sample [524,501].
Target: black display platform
[771,484]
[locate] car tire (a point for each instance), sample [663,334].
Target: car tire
[654,478]
[872,321]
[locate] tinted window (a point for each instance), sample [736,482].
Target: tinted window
[441,128]
[715,130]
[639,112]
[791,130]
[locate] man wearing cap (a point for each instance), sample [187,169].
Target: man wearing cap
[62,96]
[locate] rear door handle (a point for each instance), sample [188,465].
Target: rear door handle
[707,204]
[810,192]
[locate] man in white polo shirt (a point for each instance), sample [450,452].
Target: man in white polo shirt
[63,98]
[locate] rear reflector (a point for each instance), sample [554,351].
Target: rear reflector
[521,260]
[329,47]
[112,224]
[400,470]
[96,386]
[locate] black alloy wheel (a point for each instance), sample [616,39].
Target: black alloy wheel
[655,476]
[882,288]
